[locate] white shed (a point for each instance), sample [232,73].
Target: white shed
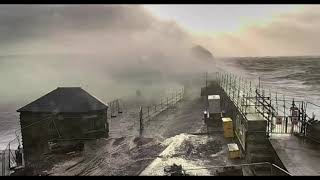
[214,104]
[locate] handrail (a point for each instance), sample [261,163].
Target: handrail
[274,165]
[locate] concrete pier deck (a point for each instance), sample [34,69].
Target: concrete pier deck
[300,156]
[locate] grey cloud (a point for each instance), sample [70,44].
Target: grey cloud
[109,50]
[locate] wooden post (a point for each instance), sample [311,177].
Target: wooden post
[148,110]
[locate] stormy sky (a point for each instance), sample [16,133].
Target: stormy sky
[112,50]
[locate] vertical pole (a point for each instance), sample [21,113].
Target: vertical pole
[155,108]
[233,86]
[2,164]
[167,102]
[284,113]
[182,93]
[277,112]
[118,105]
[228,85]
[270,111]
[259,84]
[176,96]
[172,98]
[112,108]
[206,80]
[302,117]
[239,92]
[141,122]
[148,110]
[9,157]
[160,103]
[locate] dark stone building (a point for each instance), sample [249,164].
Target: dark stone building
[66,114]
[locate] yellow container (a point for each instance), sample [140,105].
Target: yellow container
[228,133]
[227,127]
[227,123]
[234,151]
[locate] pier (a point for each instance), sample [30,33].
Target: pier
[269,128]
[275,135]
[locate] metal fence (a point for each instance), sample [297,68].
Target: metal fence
[283,114]
[115,108]
[147,113]
[12,156]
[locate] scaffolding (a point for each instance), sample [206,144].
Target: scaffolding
[284,115]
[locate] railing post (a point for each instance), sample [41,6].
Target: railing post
[3,164]
[176,96]
[284,113]
[9,157]
[118,105]
[140,121]
[239,92]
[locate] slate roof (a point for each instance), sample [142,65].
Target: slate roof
[65,99]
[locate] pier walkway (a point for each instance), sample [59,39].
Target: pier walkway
[299,155]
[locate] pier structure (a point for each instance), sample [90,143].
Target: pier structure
[267,126]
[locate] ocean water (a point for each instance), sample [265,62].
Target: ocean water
[292,77]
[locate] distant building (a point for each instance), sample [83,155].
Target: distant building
[64,114]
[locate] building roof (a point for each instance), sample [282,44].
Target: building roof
[65,99]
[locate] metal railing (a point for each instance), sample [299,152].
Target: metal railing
[283,114]
[11,156]
[147,113]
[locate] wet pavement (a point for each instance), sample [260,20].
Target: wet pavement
[184,117]
[299,155]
